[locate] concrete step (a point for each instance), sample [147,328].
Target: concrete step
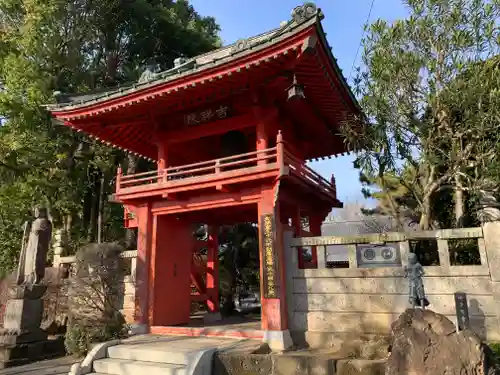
[181,356]
[177,351]
[113,366]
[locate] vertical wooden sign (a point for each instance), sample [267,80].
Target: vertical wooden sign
[462,311]
[268,254]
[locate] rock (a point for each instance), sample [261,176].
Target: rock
[426,343]
[377,348]
[360,367]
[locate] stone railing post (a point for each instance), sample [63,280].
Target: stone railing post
[59,246]
[491,233]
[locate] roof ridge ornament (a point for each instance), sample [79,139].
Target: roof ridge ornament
[303,12]
[181,64]
[60,97]
[240,45]
[149,74]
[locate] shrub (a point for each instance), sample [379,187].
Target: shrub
[77,340]
[80,335]
[95,297]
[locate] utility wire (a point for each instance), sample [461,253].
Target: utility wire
[362,36]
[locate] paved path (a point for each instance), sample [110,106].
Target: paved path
[57,366]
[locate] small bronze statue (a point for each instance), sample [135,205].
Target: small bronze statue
[415,272]
[34,248]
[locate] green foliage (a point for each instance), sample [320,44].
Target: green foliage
[72,47]
[431,103]
[77,340]
[79,337]
[239,257]
[495,348]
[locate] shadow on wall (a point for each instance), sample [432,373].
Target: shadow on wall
[477,318]
[340,312]
[353,306]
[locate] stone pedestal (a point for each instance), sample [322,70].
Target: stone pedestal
[23,314]
[22,340]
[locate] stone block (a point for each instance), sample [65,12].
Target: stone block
[391,285]
[363,323]
[16,337]
[278,341]
[360,367]
[479,304]
[303,365]
[344,344]
[23,314]
[242,364]
[491,232]
[20,354]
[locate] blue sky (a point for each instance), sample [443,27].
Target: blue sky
[343,24]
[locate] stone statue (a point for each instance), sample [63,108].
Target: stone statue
[35,245]
[415,272]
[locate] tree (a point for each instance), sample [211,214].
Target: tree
[238,256]
[408,95]
[80,46]
[393,198]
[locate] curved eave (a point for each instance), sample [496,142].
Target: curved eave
[207,74]
[129,138]
[337,72]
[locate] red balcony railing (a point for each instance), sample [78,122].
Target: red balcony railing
[278,158]
[301,170]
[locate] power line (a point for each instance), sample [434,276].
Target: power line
[361,41]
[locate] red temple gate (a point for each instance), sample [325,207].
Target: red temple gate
[231,132]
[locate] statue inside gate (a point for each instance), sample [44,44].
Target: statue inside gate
[415,272]
[34,248]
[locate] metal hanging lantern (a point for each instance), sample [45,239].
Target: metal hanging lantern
[295,91]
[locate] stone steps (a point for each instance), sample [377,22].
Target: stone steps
[113,366]
[156,355]
[159,353]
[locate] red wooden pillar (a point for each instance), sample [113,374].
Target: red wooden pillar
[262,136]
[272,271]
[142,275]
[213,270]
[297,232]
[162,160]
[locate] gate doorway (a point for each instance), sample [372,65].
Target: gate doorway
[219,293]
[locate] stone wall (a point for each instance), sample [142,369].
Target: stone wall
[329,301]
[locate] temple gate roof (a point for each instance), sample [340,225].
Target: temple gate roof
[267,54]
